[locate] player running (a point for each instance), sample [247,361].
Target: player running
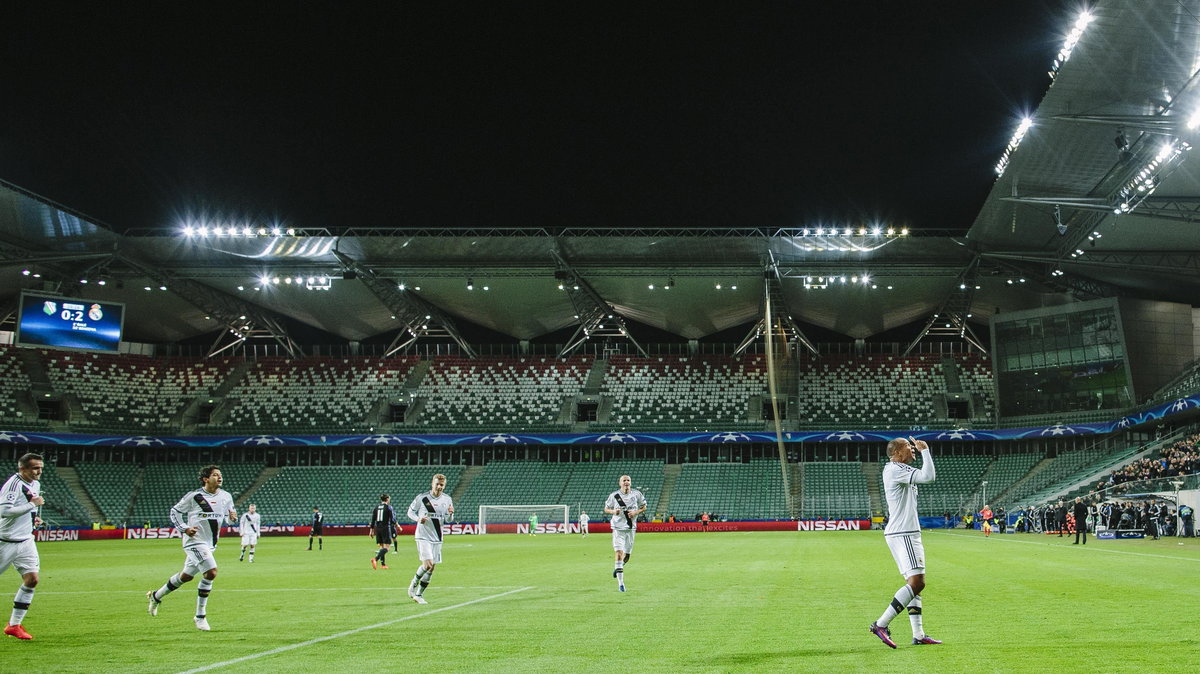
[249,527]
[429,510]
[624,504]
[20,500]
[383,526]
[903,535]
[198,516]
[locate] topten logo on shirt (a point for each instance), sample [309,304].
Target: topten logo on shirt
[209,516]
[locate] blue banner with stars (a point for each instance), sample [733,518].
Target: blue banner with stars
[610,437]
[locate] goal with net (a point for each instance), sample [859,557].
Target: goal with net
[558,515]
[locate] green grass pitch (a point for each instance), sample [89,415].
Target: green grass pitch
[717,602]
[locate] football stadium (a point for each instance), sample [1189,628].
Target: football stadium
[807,302]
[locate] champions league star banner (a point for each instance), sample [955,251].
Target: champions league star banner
[607,437]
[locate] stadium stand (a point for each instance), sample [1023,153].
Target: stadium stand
[957,478]
[873,391]
[111,487]
[1005,471]
[590,483]
[499,394]
[312,395]
[834,489]
[975,376]
[732,490]
[683,392]
[13,383]
[62,508]
[345,494]
[162,485]
[1063,470]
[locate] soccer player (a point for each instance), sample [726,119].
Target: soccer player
[583,523]
[383,525]
[903,535]
[986,518]
[533,522]
[624,504]
[198,516]
[429,510]
[20,499]
[317,529]
[249,527]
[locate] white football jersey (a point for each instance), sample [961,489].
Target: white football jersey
[584,519]
[249,524]
[204,511]
[435,509]
[900,482]
[16,508]
[631,501]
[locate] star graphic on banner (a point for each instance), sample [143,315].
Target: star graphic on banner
[382,440]
[845,435]
[7,436]
[616,437]
[263,440]
[498,438]
[1059,429]
[730,437]
[1181,404]
[142,441]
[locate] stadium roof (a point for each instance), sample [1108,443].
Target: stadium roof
[1131,73]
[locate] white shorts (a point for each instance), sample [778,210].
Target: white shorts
[908,552]
[623,540]
[249,540]
[198,559]
[22,556]
[428,550]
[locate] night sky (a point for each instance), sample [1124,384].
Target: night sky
[655,114]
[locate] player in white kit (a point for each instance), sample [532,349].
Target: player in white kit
[198,516]
[583,523]
[429,510]
[903,535]
[624,504]
[20,500]
[249,527]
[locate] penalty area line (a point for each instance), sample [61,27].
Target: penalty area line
[339,635]
[1053,545]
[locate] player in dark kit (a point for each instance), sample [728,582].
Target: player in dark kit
[383,525]
[317,529]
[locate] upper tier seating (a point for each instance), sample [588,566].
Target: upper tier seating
[130,394]
[313,395]
[739,491]
[499,394]
[872,391]
[975,375]
[347,494]
[683,392]
[13,383]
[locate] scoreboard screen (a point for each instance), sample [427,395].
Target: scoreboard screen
[48,320]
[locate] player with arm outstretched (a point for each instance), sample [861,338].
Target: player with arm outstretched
[903,535]
[198,517]
[429,510]
[20,502]
[624,504]
[249,527]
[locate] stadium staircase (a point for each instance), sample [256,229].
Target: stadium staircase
[671,473]
[950,372]
[796,486]
[71,477]
[266,474]
[874,473]
[1018,486]
[464,482]
[595,377]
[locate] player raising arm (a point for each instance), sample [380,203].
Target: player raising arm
[903,535]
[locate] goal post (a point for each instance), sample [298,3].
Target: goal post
[520,514]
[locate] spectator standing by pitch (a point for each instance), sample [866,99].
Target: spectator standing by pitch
[20,500]
[903,536]
[198,516]
[1080,510]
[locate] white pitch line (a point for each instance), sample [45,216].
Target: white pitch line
[283,649]
[279,589]
[1053,545]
